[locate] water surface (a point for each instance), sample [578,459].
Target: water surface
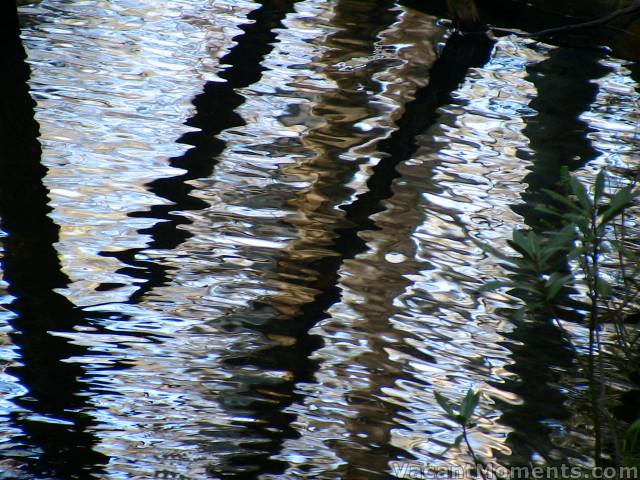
[251,254]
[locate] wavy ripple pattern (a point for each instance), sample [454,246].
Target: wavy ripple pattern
[265,351]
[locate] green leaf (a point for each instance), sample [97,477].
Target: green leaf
[603,287]
[574,217]
[528,288]
[575,253]
[548,210]
[554,283]
[520,239]
[632,435]
[534,244]
[581,194]
[557,277]
[469,405]
[562,199]
[526,244]
[599,187]
[444,403]
[561,240]
[552,292]
[634,427]
[621,200]
[548,252]
[523,251]
[564,237]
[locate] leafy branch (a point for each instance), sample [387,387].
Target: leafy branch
[463,416]
[587,219]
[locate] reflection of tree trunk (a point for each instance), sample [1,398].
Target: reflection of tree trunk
[369,447]
[537,15]
[374,448]
[557,138]
[19,129]
[60,446]
[215,112]
[303,302]
[461,52]
[464,14]
[628,408]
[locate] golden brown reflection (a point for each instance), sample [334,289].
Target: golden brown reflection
[413,290]
[350,111]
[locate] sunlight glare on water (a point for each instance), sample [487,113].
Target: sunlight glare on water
[267,214]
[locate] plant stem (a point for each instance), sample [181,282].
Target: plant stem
[476,462]
[594,394]
[595,378]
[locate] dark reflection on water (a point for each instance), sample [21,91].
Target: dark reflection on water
[50,420]
[565,89]
[333,120]
[215,112]
[369,450]
[279,293]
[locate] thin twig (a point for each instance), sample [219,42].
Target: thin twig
[593,383]
[595,379]
[634,7]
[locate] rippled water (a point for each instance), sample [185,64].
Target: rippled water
[252,252]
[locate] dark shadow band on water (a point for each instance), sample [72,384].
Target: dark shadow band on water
[628,408]
[215,112]
[566,88]
[55,439]
[460,53]
[357,26]
[448,72]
